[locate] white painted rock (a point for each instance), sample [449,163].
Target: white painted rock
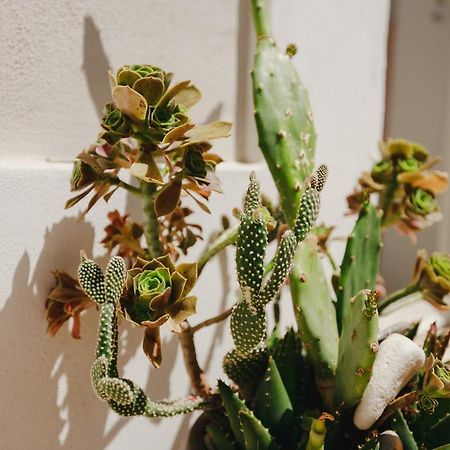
[397,360]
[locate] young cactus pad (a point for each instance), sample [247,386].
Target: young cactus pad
[361,262]
[358,345]
[123,396]
[283,115]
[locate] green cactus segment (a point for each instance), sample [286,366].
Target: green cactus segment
[248,328]
[123,395]
[92,280]
[116,273]
[281,268]
[317,434]
[309,210]
[361,262]
[272,404]
[256,436]
[287,357]
[252,198]
[246,371]
[358,345]
[314,310]
[218,438]
[251,242]
[283,116]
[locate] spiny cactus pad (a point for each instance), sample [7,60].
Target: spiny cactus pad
[361,261]
[123,396]
[358,345]
[248,327]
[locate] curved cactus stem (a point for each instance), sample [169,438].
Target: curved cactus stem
[309,210]
[281,268]
[123,396]
[282,113]
[361,262]
[315,313]
[358,345]
[251,243]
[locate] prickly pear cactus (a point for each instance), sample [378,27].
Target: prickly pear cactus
[361,262]
[358,346]
[123,396]
[283,115]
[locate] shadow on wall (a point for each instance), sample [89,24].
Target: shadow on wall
[45,379]
[95,65]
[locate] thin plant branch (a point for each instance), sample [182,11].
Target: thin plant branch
[206,323]
[196,374]
[226,238]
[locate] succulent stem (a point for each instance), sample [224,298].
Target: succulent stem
[196,374]
[226,238]
[261,17]
[397,295]
[206,323]
[116,181]
[151,223]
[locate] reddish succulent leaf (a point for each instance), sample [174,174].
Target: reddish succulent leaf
[168,197]
[151,345]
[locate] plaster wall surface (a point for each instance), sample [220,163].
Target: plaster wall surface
[55,56]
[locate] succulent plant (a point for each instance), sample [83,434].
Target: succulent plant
[336,381]
[432,277]
[157,291]
[123,396]
[65,301]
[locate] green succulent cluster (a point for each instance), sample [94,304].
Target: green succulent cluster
[157,291]
[124,396]
[405,186]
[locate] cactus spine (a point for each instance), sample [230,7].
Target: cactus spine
[361,261]
[358,345]
[282,113]
[123,396]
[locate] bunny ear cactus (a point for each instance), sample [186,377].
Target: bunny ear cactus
[248,320]
[123,396]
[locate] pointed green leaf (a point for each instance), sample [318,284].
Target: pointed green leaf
[271,404]
[256,437]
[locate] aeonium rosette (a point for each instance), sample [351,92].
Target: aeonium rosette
[436,380]
[432,277]
[157,292]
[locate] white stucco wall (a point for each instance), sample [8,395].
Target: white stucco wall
[54,55]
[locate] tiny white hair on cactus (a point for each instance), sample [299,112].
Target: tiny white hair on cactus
[397,361]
